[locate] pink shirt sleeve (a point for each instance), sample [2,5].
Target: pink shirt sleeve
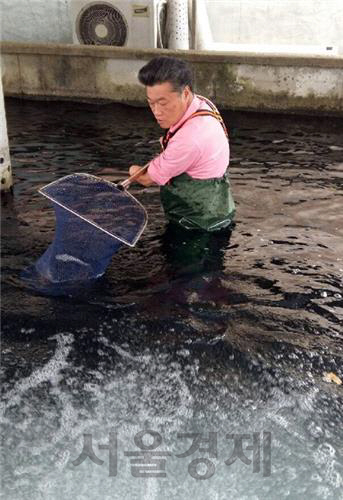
[178,157]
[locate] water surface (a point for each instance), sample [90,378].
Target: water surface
[240,346]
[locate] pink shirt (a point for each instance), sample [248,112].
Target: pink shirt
[200,148]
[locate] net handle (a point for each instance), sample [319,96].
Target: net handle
[125,184]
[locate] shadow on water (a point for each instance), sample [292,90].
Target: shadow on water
[232,335]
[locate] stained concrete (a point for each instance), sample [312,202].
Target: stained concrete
[279,83]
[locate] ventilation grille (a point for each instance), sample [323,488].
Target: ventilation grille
[101,24]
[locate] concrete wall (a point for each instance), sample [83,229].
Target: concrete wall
[234,81]
[276,22]
[6,180]
[35,21]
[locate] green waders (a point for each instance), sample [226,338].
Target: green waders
[203,204]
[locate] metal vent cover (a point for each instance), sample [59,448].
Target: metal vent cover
[100,23]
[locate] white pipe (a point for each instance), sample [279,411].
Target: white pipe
[201,25]
[177,24]
[5,164]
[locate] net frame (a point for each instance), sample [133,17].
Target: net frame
[113,186]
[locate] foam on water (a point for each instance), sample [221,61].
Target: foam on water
[49,373]
[169,392]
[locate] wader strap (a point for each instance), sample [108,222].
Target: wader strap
[215,110]
[200,112]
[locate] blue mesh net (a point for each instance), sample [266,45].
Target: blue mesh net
[94,219]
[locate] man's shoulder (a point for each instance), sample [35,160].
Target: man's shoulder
[199,128]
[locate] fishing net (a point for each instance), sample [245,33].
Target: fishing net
[94,219]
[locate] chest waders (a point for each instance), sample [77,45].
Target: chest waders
[202,204]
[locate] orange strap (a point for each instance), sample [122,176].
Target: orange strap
[200,112]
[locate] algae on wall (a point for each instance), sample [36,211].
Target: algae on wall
[233,81]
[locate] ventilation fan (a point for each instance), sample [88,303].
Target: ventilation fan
[119,23]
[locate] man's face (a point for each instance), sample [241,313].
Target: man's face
[167,105]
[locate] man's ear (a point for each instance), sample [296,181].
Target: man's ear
[187,91]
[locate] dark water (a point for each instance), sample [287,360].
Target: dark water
[237,345]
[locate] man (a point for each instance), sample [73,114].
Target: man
[191,169]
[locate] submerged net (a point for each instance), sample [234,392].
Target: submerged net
[93,220]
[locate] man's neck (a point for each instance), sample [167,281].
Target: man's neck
[190,100]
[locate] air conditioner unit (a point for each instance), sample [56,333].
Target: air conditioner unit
[122,23]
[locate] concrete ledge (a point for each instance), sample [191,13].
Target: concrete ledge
[189,55]
[281,83]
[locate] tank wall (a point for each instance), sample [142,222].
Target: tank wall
[235,81]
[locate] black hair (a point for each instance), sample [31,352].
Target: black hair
[167,69]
